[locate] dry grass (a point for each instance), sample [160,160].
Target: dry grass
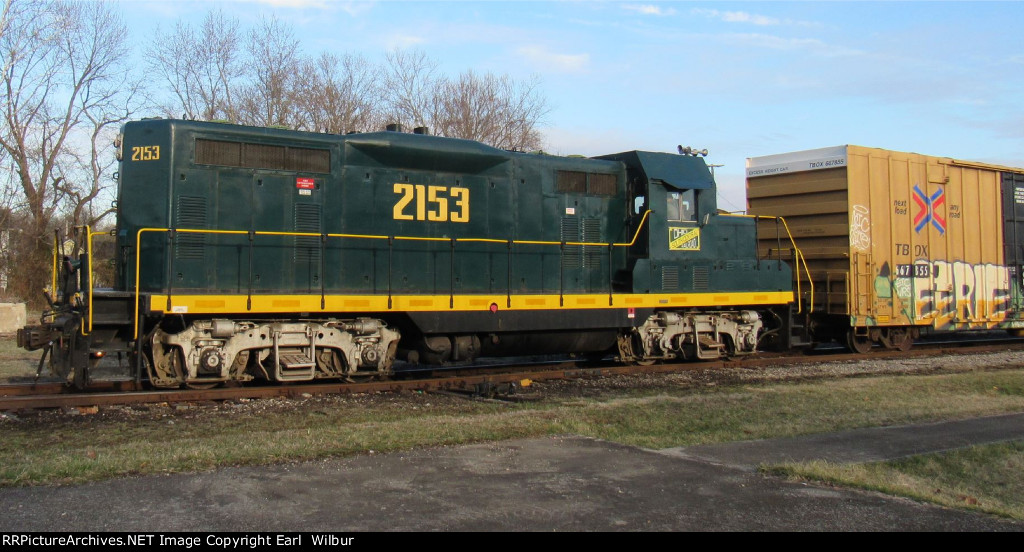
[985,478]
[16,363]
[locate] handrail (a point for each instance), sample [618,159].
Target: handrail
[802,260]
[799,259]
[53,288]
[88,256]
[88,251]
[799,256]
[138,244]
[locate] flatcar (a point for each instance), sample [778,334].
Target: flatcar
[898,243]
[260,253]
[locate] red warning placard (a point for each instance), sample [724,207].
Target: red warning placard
[305,183]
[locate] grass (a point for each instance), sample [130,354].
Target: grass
[15,362]
[146,449]
[68,449]
[985,478]
[762,411]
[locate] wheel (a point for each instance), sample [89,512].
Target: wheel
[202,386]
[638,351]
[901,339]
[860,344]
[167,369]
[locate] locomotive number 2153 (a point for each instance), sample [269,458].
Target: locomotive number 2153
[432,203]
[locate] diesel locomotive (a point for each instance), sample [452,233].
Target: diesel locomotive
[259,253]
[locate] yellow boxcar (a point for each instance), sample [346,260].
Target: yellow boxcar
[896,242]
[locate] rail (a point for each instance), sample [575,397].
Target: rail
[391,239]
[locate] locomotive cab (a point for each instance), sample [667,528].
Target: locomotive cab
[699,262]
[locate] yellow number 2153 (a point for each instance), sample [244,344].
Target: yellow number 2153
[146,153]
[431,203]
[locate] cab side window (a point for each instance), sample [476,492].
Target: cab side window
[682,206]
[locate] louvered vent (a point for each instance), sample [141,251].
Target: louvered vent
[262,156]
[700,277]
[602,184]
[307,219]
[592,234]
[576,182]
[215,152]
[669,278]
[571,257]
[309,160]
[571,182]
[190,212]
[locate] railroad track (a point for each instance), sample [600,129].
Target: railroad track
[467,379]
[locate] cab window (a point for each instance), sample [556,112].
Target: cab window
[682,206]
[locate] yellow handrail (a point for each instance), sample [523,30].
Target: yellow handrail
[408,238]
[53,288]
[802,260]
[88,250]
[798,260]
[88,256]
[138,246]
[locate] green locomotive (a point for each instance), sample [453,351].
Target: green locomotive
[248,252]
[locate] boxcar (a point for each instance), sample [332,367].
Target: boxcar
[898,242]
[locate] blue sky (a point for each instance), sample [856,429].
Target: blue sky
[741,79]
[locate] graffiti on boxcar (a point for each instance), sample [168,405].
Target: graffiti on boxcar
[903,287]
[948,293]
[959,292]
[860,227]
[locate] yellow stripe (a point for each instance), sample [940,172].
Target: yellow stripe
[304,307]
[224,304]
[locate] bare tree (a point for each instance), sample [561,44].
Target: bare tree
[8,188]
[66,83]
[340,94]
[6,10]
[276,86]
[88,169]
[492,109]
[496,110]
[202,68]
[273,67]
[410,87]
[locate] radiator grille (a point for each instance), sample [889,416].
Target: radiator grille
[572,182]
[602,184]
[577,182]
[262,156]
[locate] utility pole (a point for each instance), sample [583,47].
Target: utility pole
[712,167]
